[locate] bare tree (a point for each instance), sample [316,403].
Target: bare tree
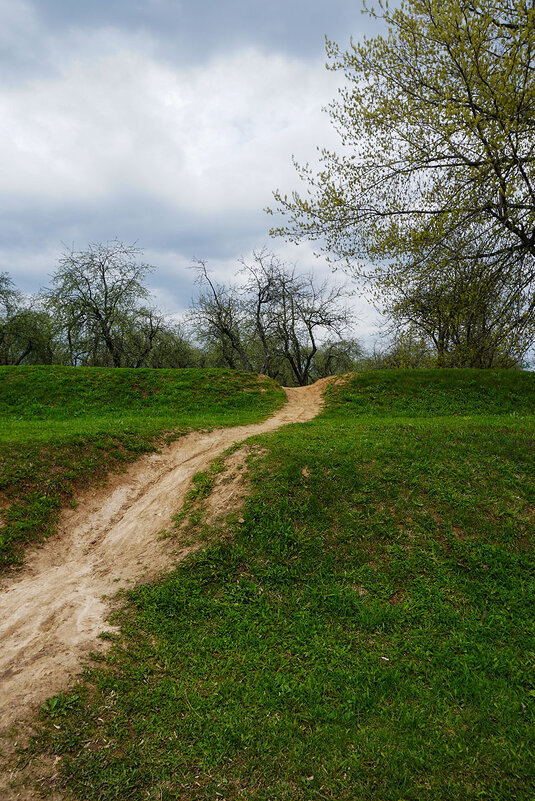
[273,321]
[304,311]
[260,287]
[219,319]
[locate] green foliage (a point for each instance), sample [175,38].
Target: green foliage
[26,330]
[368,633]
[60,705]
[61,426]
[466,311]
[436,119]
[434,183]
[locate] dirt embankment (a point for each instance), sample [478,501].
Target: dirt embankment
[53,610]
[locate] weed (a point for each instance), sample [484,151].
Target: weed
[60,705]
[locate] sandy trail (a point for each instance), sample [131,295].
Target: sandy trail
[52,611]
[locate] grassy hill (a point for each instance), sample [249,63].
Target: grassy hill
[366,632]
[60,426]
[437,393]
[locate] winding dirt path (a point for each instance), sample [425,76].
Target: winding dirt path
[52,611]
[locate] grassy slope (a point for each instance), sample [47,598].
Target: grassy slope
[60,426]
[367,632]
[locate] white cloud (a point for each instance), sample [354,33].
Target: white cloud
[212,138]
[114,140]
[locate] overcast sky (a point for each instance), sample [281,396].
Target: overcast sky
[164,122]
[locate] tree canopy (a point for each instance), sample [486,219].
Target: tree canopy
[437,123]
[434,183]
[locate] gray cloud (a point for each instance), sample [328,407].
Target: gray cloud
[161,122]
[189,30]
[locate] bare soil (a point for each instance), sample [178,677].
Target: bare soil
[52,611]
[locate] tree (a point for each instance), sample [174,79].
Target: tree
[219,319]
[10,297]
[303,312]
[172,348]
[10,300]
[30,337]
[27,333]
[471,312]
[437,125]
[97,295]
[138,330]
[337,356]
[438,128]
[274,321]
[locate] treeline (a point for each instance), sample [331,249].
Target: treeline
[97,313]
[272,319]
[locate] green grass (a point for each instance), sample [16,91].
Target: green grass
[47,403]
[366,633]
[432,393]
[62,426]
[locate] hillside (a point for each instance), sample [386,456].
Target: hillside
[362,630]
[61,427]
[46,402]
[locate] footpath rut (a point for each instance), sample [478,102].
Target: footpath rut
[53,610]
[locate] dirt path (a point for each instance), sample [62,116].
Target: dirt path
[52,611]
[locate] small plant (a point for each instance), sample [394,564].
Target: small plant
[60,705]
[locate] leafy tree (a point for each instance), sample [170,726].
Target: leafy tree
[437,124]
[30,337]
[10,300]
[172,348]
[337,356]
[138,330]
[27,332]
[10,297]
[407,350]
[472,312]
[97,296]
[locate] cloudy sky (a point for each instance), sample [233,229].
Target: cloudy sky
[164,122]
